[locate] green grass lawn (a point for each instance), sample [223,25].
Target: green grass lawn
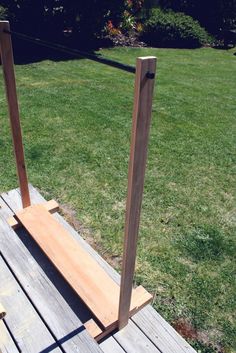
[76,119]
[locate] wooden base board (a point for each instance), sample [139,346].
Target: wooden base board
[93,328]
[51,206]
[89,280]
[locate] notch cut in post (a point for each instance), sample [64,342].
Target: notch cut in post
[10,85]
[144,85]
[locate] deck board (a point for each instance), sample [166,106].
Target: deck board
[161,332]
[134,340]
[109,345]
[25,324]
[161,335]
[7,344]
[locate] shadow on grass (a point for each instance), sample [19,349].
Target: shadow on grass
[206,243]
[29,52]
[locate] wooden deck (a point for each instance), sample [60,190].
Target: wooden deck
[44,314]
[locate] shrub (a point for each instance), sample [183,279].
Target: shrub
[3,13]
[173,29]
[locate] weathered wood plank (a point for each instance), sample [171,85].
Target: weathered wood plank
[109,345]
[26,326]
[161,332]
[7,344]
[133,340]
[46,288]
[163,335]
[138,155]
[78,267]
[10,85]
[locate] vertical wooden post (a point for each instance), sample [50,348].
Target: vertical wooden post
[144,84]
[10,85]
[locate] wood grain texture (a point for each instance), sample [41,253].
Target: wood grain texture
[162,334]
[51,206]
[25,324]
[10,86]
[7,344]
[137,165]
[109,345]
[45,287]
[93,285]
[93,329]
[133,340]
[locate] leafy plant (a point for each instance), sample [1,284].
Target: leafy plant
[3,13]
[170,29]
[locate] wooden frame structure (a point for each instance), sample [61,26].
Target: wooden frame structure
[111,304]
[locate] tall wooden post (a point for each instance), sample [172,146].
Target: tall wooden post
[10,85]
[144,84]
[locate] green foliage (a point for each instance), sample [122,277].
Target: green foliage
[216,16]
[170,29]
[85,20]
[3,13]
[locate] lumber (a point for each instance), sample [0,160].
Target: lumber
[51,206]
[144,86]
[93,328]
[24,322]
[7,345]
[89,280]
[134,340]
[10,85]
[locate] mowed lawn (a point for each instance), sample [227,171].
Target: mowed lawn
[76,119]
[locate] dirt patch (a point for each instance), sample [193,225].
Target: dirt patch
[186,330]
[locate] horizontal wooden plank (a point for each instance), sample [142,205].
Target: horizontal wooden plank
[51,206]
[7,344]
[22,319]
[161,332]
[51,296]
[109,345]
[78,268]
